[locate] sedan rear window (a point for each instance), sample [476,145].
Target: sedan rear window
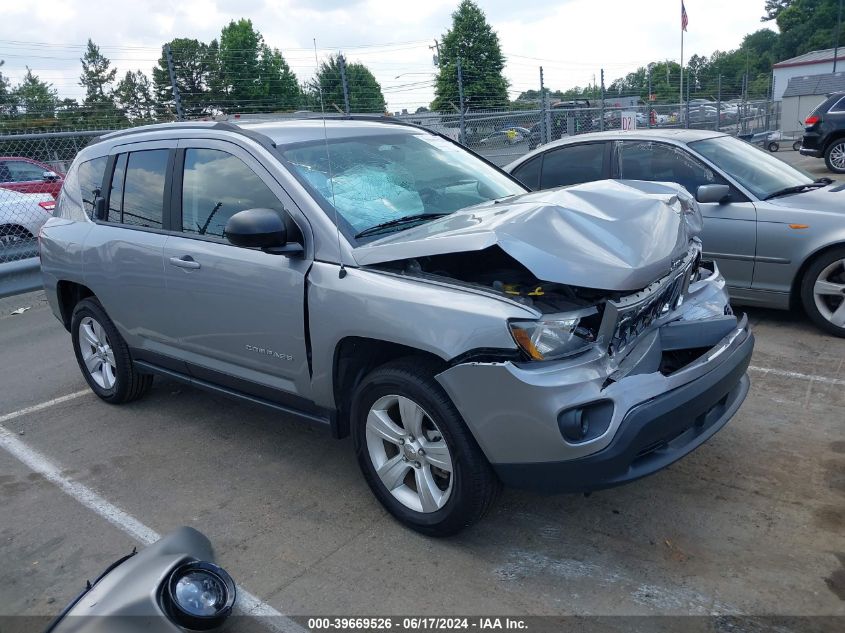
[372,180]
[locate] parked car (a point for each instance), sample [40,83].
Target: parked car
[29,176]
[777,234]
[824,133]
[510,136]
[21,217]
[402,290]
[169,587]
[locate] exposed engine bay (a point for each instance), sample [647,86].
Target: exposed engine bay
[495,270]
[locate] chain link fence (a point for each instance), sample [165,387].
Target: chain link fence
[32,165]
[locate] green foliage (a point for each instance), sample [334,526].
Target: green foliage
[807,25]
[96,77]
[253,77]
[365,94]
[134,98]
[35,98]
[473,40]
[195,68]
[774,9]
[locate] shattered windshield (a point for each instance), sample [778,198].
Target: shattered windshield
[382,178]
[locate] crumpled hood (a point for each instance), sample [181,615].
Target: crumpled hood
[612,234]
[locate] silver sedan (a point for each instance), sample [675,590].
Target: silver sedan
[777,234]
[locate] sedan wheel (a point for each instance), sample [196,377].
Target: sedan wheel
[829,293]
[823,291]
[97,353]
[409,453]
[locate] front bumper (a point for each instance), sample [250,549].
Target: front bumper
[651,413]
[652,435]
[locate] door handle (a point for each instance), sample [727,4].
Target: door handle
[186,261]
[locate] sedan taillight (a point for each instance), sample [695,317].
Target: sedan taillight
[48,206]
[811,120]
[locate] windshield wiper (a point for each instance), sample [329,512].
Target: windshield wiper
[408,219]
[821,182]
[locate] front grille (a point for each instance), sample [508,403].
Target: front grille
[636,314]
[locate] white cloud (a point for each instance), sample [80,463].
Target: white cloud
[572,39]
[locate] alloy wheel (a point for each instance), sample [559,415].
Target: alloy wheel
[409,453]
[97,353]
[829,289]
[837,156]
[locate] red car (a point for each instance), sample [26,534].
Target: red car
[29,176]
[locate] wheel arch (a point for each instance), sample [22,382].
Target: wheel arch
[354,358]
[835,136]
[70,293]
[795,290]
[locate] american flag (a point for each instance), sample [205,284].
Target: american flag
[684,18]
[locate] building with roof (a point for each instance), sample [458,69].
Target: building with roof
[812,63]
[804,93]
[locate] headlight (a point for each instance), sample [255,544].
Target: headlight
[556,336]
[199,595]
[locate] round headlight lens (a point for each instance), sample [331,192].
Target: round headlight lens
[200,595]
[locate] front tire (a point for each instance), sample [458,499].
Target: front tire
[103,355]
[823,291]
[416,453]
[834,157]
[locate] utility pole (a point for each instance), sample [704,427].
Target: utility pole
[436,57]
[838,30]
[341,62]
[718,102]
[546,127]
[463,137]
[177,100]
[648,110]
[601,119]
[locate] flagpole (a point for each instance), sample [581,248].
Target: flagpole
[681,101]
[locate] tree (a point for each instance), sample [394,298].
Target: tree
[7,101]
[365,95]
[133,96]
[195,67]
[473,40]
[96,76]
[807,25]
[35,97]
[774,9]
[252,76]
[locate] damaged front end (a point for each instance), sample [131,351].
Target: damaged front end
[620,372]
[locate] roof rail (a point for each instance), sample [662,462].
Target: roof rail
[226,126]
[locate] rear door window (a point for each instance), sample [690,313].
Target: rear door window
[659,162]
[137,192]
[572,165]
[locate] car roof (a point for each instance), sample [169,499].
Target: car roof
[678,135]
[280,131]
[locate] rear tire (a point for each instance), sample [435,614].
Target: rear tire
[12,234]
[405,427]
[823,291]
[773,146]
[103,355]
[834,156]
[796,146]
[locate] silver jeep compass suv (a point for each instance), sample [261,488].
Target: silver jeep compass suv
[383,281]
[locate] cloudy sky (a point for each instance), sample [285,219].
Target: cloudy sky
[571,39]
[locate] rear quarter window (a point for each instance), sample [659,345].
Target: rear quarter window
[81,187]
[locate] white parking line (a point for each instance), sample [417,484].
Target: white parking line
[248,604]
[797,375]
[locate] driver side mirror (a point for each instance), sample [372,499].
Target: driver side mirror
[720,194]
[49,176]
[260,228]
